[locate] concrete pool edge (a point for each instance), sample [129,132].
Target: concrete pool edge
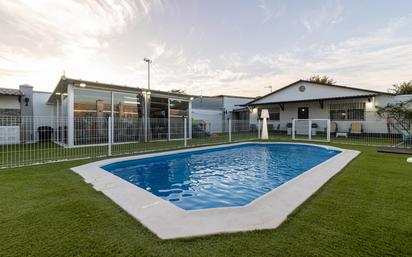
[168,221]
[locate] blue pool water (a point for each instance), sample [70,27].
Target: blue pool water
[220,177]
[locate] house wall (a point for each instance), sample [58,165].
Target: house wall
[43,114]
[372,123]
[213,119]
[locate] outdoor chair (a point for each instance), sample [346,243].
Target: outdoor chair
[356,128]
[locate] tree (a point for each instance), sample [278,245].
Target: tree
[404,88]
[322,80]
[399,111]
[178,91]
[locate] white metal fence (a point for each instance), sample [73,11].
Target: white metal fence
[386,132]
[36,140]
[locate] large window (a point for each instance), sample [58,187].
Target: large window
[158,118]
[91,109]
[92,103]
[127,112]
[348,111]
[178,111]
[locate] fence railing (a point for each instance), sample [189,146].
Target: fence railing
[389,132]
[37,140]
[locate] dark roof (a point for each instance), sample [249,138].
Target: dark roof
[10,91]
[331,85]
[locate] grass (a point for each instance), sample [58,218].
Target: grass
[366,209]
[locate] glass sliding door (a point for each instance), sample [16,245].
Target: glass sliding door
[91,110]
[158,118]
[179,110]
[127,118]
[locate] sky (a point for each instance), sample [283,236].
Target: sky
[211,47]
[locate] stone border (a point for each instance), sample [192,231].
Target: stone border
[168,221]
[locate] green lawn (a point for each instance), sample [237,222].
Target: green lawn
[47,210]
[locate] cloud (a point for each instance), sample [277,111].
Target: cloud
[375,61]
[47,36]
[270,10]
[323,16]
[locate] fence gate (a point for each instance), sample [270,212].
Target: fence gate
[311,129]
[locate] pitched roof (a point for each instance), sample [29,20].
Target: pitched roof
[312,82]
[10,91]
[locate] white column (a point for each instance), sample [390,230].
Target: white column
[109,137]
[57,120]
[230,130]
[168,119]
[185,131]
[190,119]
[293,129]
[111,121]
[328,130]
[70,116]
[310,129]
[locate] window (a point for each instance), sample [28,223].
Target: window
[158,118]
[92,103]
[126,106]
[347,111]
[91,109]
[274,114]
[178,111]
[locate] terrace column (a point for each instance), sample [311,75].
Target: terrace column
[70,116]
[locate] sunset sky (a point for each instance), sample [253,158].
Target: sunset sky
[210,47]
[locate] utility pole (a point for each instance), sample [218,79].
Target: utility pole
[148,71]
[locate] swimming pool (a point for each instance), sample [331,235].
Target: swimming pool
[220,177]
[168,221]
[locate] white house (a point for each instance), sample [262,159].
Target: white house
[17,109]
[344,106]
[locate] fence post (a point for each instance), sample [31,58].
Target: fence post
[328,130]
[185,131]
[109,137]
[293,129]
[310,129]
[230,130]
[258,128]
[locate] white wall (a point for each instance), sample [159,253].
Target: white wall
[9,102]
[213,118]
[43,114]
[231,103]
[372,123]
[40,107]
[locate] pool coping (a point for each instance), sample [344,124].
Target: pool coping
[168,221]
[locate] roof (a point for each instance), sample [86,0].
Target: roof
[234,96]
[64,82]
[315,99]
[10,91]
[367,91]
